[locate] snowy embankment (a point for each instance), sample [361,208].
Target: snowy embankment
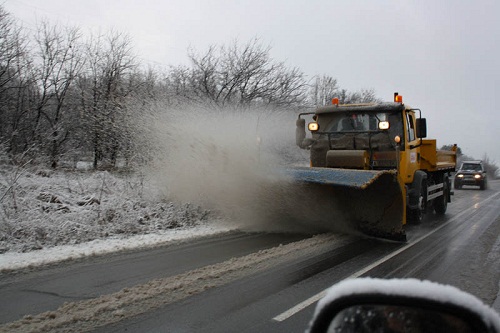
[226,162]
[48,216]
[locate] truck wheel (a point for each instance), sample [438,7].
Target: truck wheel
[457,186]
[441,203]
[482,186]
[416,215]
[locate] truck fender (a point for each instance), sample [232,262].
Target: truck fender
[414,191]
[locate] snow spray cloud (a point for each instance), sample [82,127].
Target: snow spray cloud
[230,160]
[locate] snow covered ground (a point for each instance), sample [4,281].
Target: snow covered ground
[223,163]
[48,216]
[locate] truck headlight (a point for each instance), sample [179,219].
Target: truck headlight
[477,176]
[383,125]
[313,127]
[460,176]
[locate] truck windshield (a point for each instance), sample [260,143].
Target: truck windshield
[359,122]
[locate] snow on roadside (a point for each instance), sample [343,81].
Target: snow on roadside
[16,260]
[225,163]
[47,216]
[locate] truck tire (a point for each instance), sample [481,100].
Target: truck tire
[416,215]
[441,203]
[457,184]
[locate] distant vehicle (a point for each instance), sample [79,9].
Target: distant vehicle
[368,305]
[471,173]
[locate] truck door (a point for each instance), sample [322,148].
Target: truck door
[413,154]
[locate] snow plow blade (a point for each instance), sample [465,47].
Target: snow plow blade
[364,200]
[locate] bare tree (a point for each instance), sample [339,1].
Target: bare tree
[13,82]
[490,166]
[12,47]
[323,90]
[60,93]
[238,75]
[104,92]
[60,61]
[361,96]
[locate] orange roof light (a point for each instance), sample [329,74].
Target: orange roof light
[335,101]
[398,98]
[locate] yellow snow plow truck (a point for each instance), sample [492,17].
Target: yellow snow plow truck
[372,162]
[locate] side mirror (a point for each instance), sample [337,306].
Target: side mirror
[300,132]
[421,128]
[401,305]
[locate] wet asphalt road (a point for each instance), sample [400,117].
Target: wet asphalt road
[459,249]
[441,249]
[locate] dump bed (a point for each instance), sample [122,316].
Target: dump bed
[436,160]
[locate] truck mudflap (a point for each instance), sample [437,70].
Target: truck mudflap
[369,201]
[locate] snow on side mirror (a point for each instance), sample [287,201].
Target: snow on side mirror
[409,305]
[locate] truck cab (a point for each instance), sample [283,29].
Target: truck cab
[381,136]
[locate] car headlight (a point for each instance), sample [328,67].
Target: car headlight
[477,176]
[460,176]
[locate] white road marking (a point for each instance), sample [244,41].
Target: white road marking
[313,299]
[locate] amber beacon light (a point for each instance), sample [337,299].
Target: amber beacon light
[398,98]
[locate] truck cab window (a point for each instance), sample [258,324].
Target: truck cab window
[411,127]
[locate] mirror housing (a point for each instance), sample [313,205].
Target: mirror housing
[444,307]
[421,128]
[300,131]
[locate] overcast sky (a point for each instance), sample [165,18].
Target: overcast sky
[442,56]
